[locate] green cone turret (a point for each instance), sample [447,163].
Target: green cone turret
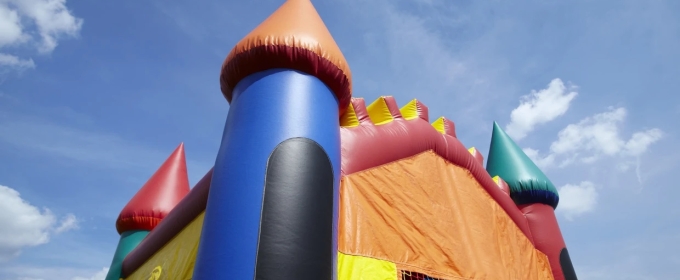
[527,182]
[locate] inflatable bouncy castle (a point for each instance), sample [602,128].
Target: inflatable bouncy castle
[311,183]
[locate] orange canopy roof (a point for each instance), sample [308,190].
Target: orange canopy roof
[293,37]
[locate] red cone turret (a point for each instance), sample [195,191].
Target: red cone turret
[158,196]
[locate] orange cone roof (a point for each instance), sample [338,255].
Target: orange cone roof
[293,37]
[158,196]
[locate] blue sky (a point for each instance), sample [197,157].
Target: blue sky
[95,94]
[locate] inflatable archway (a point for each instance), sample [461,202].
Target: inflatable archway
[311,183]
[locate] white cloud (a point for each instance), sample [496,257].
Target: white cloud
[638,144]
[100,275]
[11,30]
[24,225]
[68,223]
[594,137]
[52,20]
[15,63]
[541,162]
[540,107]
[48,21]
[599,133]
[576,200]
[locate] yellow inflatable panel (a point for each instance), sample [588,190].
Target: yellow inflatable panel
[495,179]
[439,125]
[410,110]
[349,119]
[379,112]
[363,268]
[175,261]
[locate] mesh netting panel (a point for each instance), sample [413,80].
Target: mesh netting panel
[409,275]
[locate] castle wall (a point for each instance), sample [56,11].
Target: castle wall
[176,259]
[427,215]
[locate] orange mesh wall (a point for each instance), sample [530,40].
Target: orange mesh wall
[430,216]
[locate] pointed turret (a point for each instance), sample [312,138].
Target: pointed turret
[158,196]
[149,206]
[291,84]
[535,196]
[293,37]
[527,182]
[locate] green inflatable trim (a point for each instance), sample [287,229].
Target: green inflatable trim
[128,241]
[527,182]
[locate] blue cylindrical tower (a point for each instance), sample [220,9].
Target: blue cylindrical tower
[273,202]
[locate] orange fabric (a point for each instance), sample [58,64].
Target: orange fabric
[430,216]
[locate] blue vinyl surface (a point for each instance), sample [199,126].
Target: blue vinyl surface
[267,108]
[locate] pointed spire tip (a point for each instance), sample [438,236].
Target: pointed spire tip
[528,184]
[293,37]
[166,187]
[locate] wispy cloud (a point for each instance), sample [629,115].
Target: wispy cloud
[94,148]
[420,52]
[11,62]
[105,149]
[425,53]
[595,137]
[67,223]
